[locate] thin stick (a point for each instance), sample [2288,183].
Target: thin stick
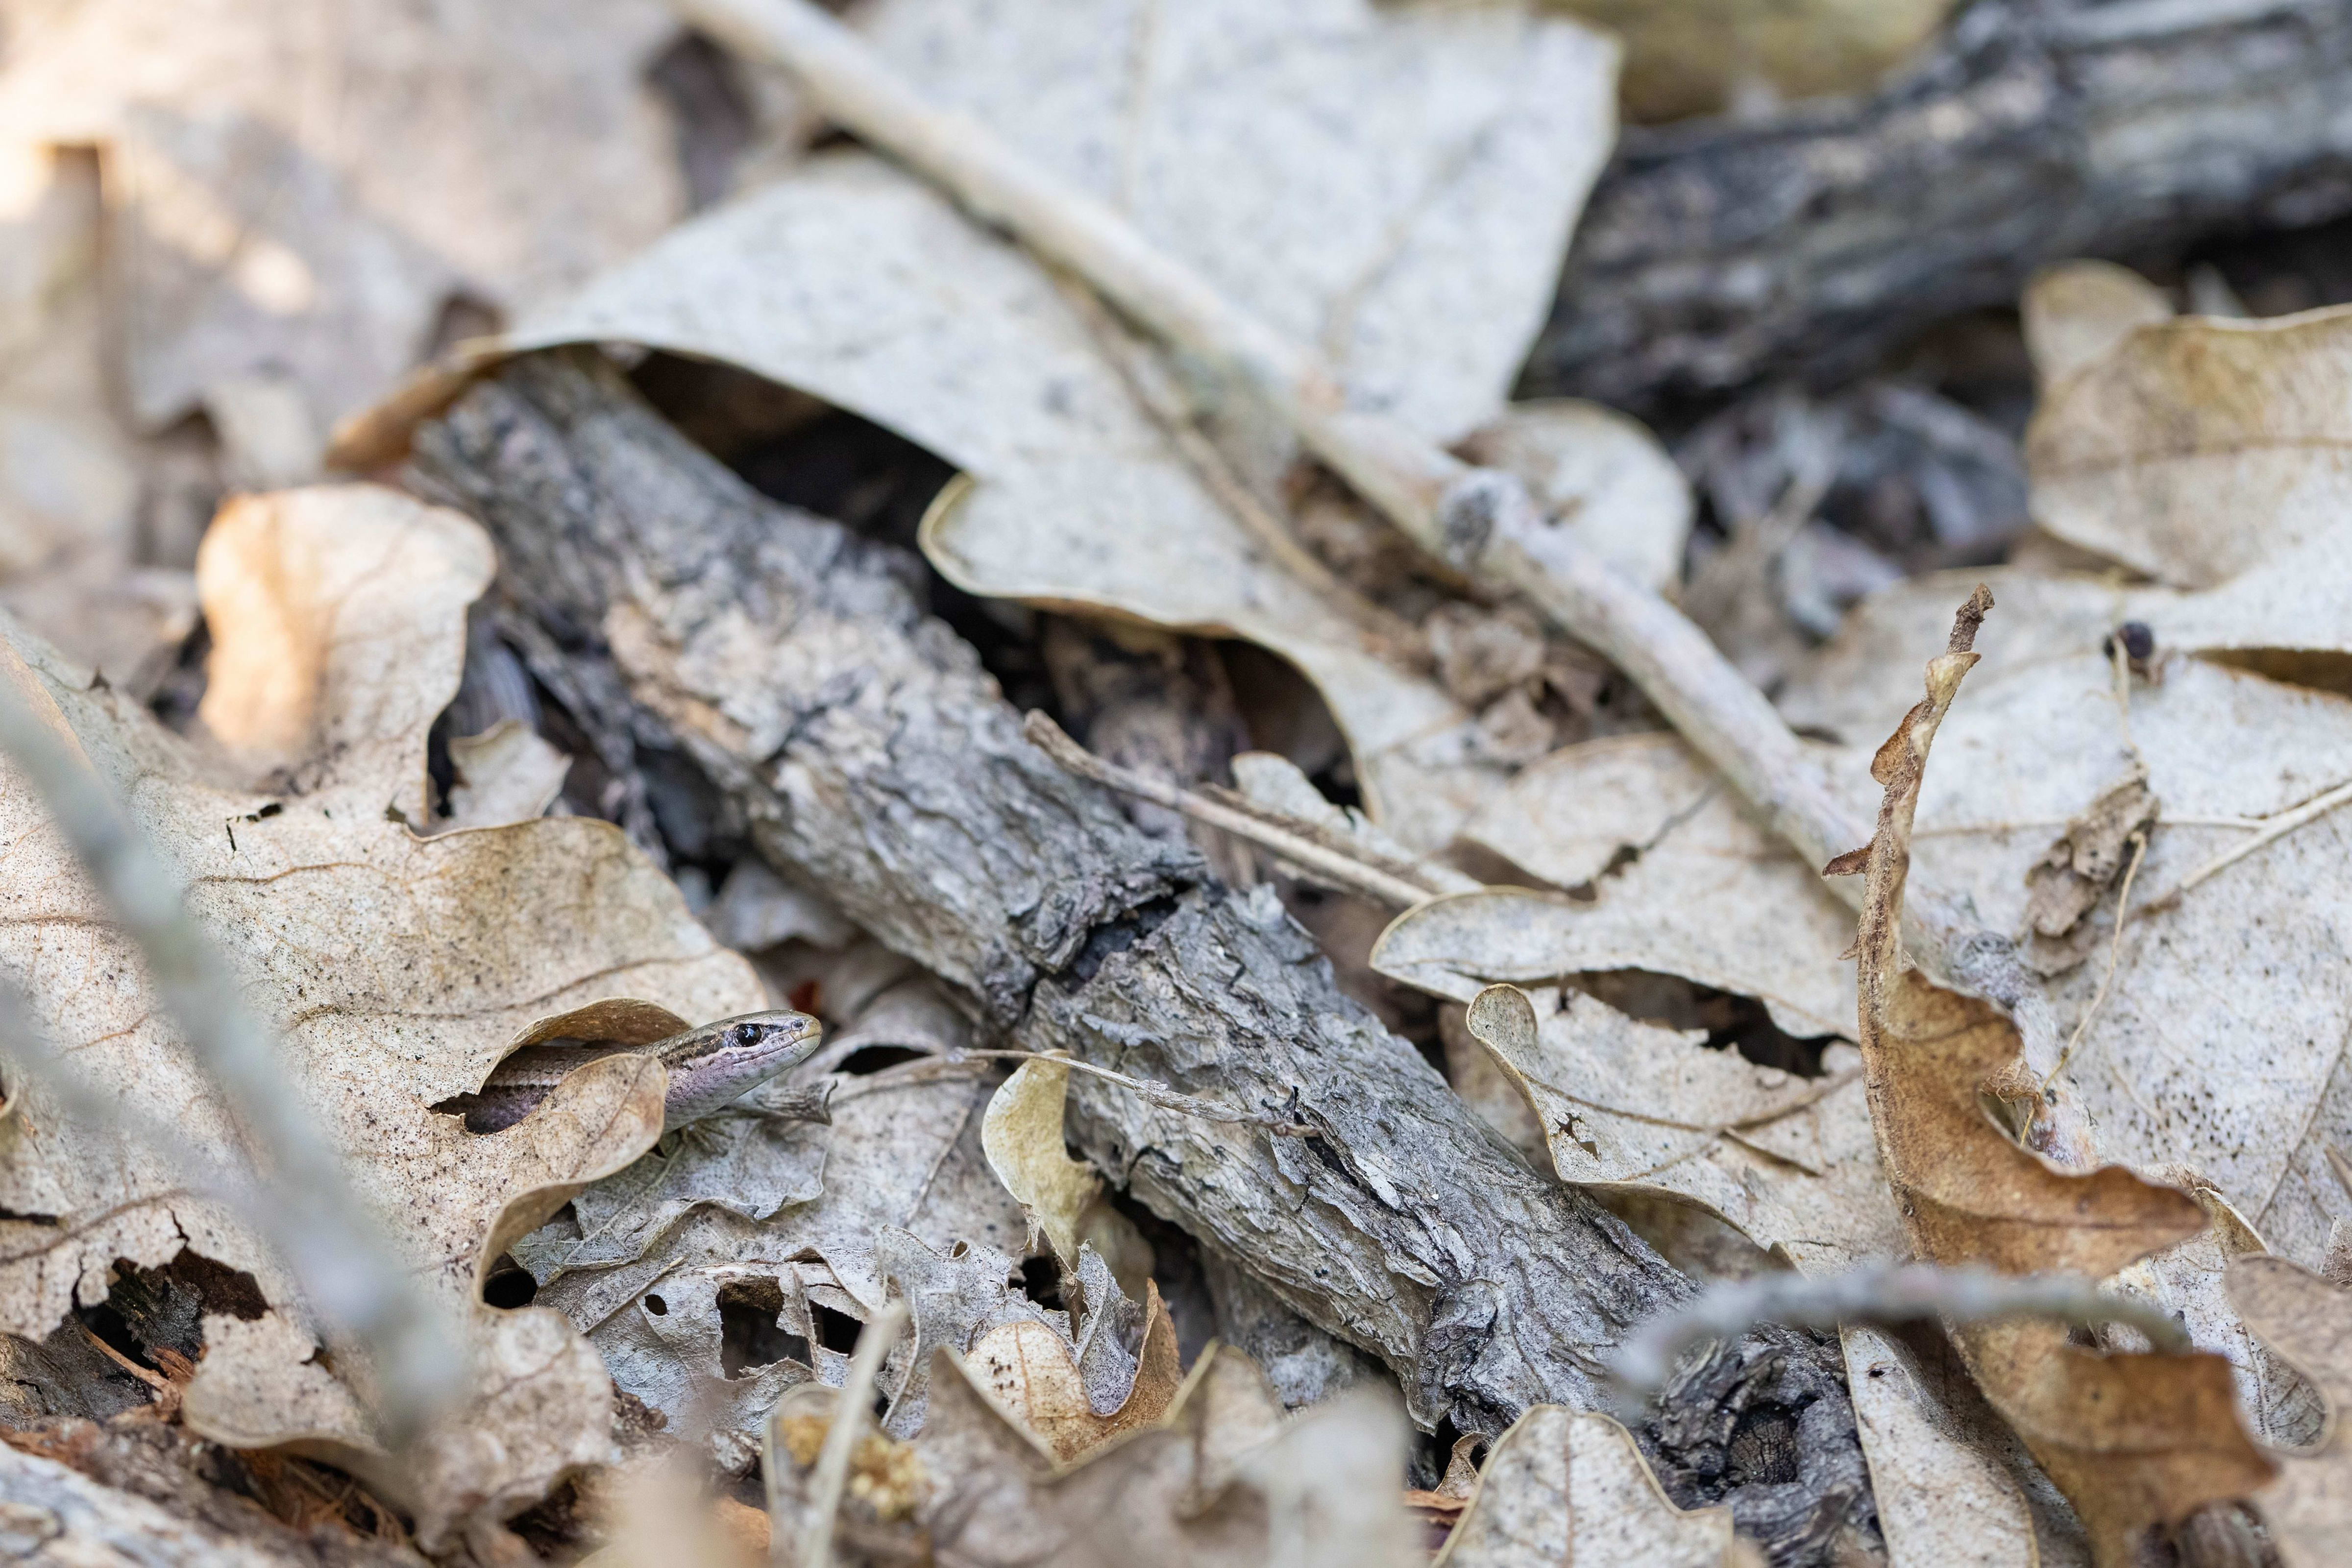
[2273,828]
[831,1475]
[333,1245]
[1880,1294]
[1304,844]
[2115,956]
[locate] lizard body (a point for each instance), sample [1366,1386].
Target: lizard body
[709,1068]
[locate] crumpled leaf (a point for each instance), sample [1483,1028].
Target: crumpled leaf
[1567,1489]
[1683,883]
[1787,1160]
[2131,1440]
[902,1154]
[1221,1479]
[1063,1198]
[1044,1382]
[397,970]
[2196,447]
[272,235]
[2308,1321]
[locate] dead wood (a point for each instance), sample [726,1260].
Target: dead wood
[2034,131]
[866,750]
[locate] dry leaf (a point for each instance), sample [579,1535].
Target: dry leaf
[1786,1160]
[506,774]
[2196,447]
[1567,1489]
[902,1156]
[1681,883]
[1220,1480]
[2131,1440]
[1035,1373]
[1391,184]
[264,229]
[1704,57]
[1062,1196]
[2217,1046]
[398,970]
[2076,313]
[2308,1321]
[1952,1484]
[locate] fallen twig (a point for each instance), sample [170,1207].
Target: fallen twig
[1312,849]
[1883,1293]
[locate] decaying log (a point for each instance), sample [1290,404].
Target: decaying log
[2033,131]
[869,752]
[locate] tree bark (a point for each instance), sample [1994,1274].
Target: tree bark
[869,754]
[2034,131]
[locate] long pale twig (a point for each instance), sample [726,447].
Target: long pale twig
[2271,830]
[1323,855]
[334,1247]
[850,1414]
[1881,1293]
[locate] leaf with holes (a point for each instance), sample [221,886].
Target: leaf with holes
[397,970]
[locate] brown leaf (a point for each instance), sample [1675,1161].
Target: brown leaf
[2131,1440]
[1033,1373]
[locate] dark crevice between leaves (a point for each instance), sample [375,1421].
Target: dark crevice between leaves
[1732,1022]
[163,1309]
[749,1335]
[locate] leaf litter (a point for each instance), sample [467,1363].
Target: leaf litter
[2167,892]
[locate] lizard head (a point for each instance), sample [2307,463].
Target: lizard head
[725,1060]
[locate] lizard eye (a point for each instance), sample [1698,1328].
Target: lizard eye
[744,1035]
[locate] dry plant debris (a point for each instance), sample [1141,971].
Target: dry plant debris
[959,1310]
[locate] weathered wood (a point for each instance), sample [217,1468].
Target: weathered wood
[869,752]
[2035,129]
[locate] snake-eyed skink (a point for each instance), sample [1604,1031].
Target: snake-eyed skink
[709,1068]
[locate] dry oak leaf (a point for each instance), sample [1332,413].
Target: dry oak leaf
[2194,447]
[2132,1440]
[1788,1160]
[1567,1489]
[397,970]
[1221,1480]
[2308,1321]
[1682,882]
[2219,1043]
